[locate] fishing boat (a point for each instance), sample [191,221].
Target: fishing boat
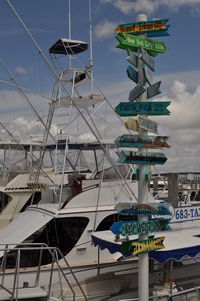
[62,207]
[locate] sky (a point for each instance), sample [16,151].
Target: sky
[47,20]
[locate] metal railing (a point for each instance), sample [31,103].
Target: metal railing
[184,295]
[7,274]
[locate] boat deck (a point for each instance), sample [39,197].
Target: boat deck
[34,293]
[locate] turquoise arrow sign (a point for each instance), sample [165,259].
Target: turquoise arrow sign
[153,90]
[148,108]
[133,42]
[136,227]
[132,73]
[150,141]
[125,208]
[130,157]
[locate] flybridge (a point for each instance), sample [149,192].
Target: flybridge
[68,47]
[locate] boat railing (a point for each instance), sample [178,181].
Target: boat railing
[13,285]
[183,295]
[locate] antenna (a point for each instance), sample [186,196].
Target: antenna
[70,30]
[91,50]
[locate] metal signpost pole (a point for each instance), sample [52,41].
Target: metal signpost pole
[143,259]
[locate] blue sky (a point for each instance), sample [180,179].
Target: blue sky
[179,68]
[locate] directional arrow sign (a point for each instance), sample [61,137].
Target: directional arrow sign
[133,42]
[147,124]
[140,227]
[130,157]
[148,108]
[143,27]
[131,124]
[125,208]
[128,140]
[155,34]
[132,58]
[136,92]
[147,59]
[153,90]
[132,73]
[136,247]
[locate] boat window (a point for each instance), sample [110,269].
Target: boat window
[35,201]
[107,222]
[4,200]
[62,233]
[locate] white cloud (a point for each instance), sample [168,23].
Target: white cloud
[21,70]
[105,29]
[149,6]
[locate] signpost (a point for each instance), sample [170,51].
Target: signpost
[148,108]
[128,140]
[125,208]
[128,41]
[140,227]
[133,37]
[130,157]
[157,27]
[136,247]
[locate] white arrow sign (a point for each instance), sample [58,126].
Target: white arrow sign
[147,59]
[147,124]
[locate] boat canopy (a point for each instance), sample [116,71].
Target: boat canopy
[179,243]
[22,227]
[86,146]
[68,47]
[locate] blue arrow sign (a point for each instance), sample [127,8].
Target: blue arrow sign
[127,228]
[132,74]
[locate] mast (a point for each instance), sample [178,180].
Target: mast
[70,30]
[91,46]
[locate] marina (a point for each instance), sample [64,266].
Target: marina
[84,212]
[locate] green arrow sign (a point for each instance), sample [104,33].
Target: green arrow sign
[133,42]
[140,227]
[130,157]
[148,108]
